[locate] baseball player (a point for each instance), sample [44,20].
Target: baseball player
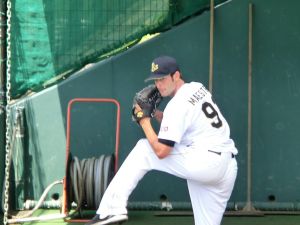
[193,143]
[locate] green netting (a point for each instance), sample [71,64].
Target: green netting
[52,38]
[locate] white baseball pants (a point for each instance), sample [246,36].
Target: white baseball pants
[210,178]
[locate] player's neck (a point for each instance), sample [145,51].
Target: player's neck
[178,85]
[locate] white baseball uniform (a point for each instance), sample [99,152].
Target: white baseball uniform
[203,154]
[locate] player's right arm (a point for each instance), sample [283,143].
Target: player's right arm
[160,149]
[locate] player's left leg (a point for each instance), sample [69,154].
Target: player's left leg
[209,200]
[113,204]
[134,167]
[139,161]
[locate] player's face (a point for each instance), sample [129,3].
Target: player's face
[166,86]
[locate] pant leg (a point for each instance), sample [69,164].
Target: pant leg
[139,161]
[209,200]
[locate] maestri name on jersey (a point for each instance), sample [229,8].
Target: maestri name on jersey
[198,95]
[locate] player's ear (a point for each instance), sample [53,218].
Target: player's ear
[176,75]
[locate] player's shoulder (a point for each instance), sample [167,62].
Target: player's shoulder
[192,88]
[195,84]
[186,87]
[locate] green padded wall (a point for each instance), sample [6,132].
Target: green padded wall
[276,102]
[275,163]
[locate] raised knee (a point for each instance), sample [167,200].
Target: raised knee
[143,146]
[142,142]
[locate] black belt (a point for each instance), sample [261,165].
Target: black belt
[219,153]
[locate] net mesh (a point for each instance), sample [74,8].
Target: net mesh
[52,38]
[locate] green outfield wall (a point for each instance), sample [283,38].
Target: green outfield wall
[275,102]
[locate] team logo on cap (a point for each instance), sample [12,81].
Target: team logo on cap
[154,67]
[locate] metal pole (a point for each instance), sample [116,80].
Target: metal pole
[211,47]
[249,206]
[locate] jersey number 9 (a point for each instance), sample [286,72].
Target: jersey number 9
[211,113]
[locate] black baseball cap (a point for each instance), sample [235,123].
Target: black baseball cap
[162,66]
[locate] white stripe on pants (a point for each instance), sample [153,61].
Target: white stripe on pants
[210,178]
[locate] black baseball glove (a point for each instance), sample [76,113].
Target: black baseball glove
[148,99]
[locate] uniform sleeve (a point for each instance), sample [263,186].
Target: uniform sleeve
[174,122]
